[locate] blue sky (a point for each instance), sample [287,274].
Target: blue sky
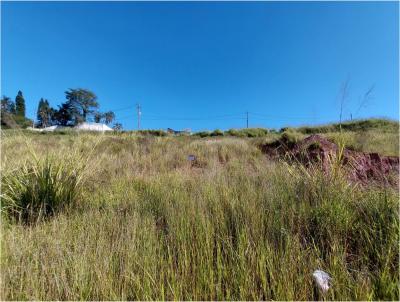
[202,65]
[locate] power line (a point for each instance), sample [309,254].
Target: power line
[194,118]
[263,116]
[122,109]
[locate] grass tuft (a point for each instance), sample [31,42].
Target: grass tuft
[40,189]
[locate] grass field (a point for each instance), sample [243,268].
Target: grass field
[130,217]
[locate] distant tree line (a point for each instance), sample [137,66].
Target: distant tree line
[13,112]
[80,106]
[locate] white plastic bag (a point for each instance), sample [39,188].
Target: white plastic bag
[322,279]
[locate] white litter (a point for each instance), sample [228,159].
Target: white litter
[322,279]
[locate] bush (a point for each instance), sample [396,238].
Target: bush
[152,132]
[290,138]
[217,132]
[40,189]
[383,125]
[233,132]
[202,133]
[248,132]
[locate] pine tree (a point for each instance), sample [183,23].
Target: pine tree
[45,114]
[39,113]
[20,104]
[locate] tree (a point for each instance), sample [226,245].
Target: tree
[7,105]
[98,116]
[109,117]
[63,116]
[117,126]
[20,104]
[45,114]
[82,103]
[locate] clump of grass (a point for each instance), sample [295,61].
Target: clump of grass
[40,188]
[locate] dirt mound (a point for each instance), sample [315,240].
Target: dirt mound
[360,166]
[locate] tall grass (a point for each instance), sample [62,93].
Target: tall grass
[235,227]
[40,188]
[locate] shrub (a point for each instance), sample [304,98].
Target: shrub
[232,132]
[217,132]
[383,125]
[202,133]
[40,189]
[249,132]
[152,132]
[290,138]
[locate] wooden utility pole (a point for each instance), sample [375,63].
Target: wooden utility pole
[139,113]
[247,119]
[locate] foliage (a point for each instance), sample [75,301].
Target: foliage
[40,189]
[20,104]
[109,117]
[8,117]
[45,114]
[382,125]
[202,133]
[117,126]
[217,132]
[81,103]
[151,225]
[7,105]
[150,132]
[64,115]
[97,117]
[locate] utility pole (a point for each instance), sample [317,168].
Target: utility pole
[247,119]
[139,113]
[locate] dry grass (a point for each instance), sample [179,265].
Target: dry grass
[235,226]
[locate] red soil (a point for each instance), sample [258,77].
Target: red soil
[360,166]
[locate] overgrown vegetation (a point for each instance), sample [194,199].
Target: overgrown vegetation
[151,225]
[359,126]
[40,188]
[382,125]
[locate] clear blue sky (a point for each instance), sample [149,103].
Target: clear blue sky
[202,65]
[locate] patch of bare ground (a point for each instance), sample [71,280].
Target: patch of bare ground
[360,167]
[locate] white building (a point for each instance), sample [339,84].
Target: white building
[93,127]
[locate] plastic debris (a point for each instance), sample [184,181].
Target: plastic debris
[322,279]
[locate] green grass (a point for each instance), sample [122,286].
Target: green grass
[235,226]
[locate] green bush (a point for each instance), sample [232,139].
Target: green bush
[248,132]
[383,125]
[152,132]
[202,133]
[40,189]
[233,132]
[290,137]
[217,132]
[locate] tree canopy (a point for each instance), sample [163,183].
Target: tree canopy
[20,104]
[81,103]
[45,114]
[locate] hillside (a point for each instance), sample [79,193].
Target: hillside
[181,218]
